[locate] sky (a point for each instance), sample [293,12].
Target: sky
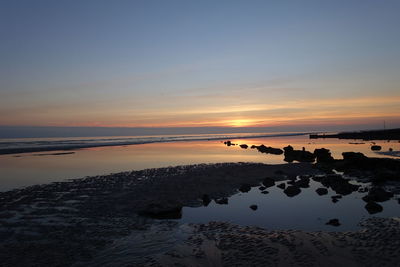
[200,63]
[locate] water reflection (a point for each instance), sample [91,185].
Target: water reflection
[305,203]
[28,170]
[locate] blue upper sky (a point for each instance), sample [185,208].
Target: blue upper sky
[199,63]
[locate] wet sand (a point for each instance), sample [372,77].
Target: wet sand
[95,221]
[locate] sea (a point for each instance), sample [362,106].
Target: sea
[49,160]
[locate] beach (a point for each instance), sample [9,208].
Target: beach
[133,219]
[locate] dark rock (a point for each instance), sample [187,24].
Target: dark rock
[303,183]
[322,191]
[376,148]
[222,201]
[323,155]
[269,150]
[373,207]
[335,200]
[291,182]
[206,200]
[298,155]
[253,146]
[253,207]
[281,186]
[262,188]
[353,156]
[292,191]
[244,146]
[162,211]
[377,194]
[339,184]
[279,172]
[264,192]
[245,188]
[228,143]
[268,182]
[337,196]
[333,222]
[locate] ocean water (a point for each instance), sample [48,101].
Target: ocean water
[84,156]
[12,146]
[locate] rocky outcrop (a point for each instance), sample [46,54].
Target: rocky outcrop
[377,194]
[292,190]
[269,150]
[373,207]
[321,191]
[244,188]
[323,155]
[298,155]
[376,148]
[268,182]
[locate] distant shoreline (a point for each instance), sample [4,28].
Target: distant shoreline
[390,134]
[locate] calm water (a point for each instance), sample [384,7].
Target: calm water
[36,168]
[306,211]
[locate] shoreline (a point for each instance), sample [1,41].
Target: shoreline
[139,141]
[73,222]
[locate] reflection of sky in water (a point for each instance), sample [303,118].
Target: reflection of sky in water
[28,169]
[306,211]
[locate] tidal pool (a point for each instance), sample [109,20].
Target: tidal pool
[305,211]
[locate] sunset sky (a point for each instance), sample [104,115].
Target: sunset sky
[199,63]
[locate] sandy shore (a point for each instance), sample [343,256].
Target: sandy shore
[95,221]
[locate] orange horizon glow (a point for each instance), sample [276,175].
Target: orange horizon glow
[339,111]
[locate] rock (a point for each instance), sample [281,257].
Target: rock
[291,182]
[373,207]
[162,211]
[376,148]
[228,143]
[335,198]
[353,156]
[206,200]
[268,182]
[298,155]
[253,207]
[292,191]
[333,222]
[323,155]
[222,201]
[303,183]
[244,146]
[244,188]
[269,150]
[339,184]
[377,194]
[253,146]
[264,192]
[262,188]
[321,191]
[281,186]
